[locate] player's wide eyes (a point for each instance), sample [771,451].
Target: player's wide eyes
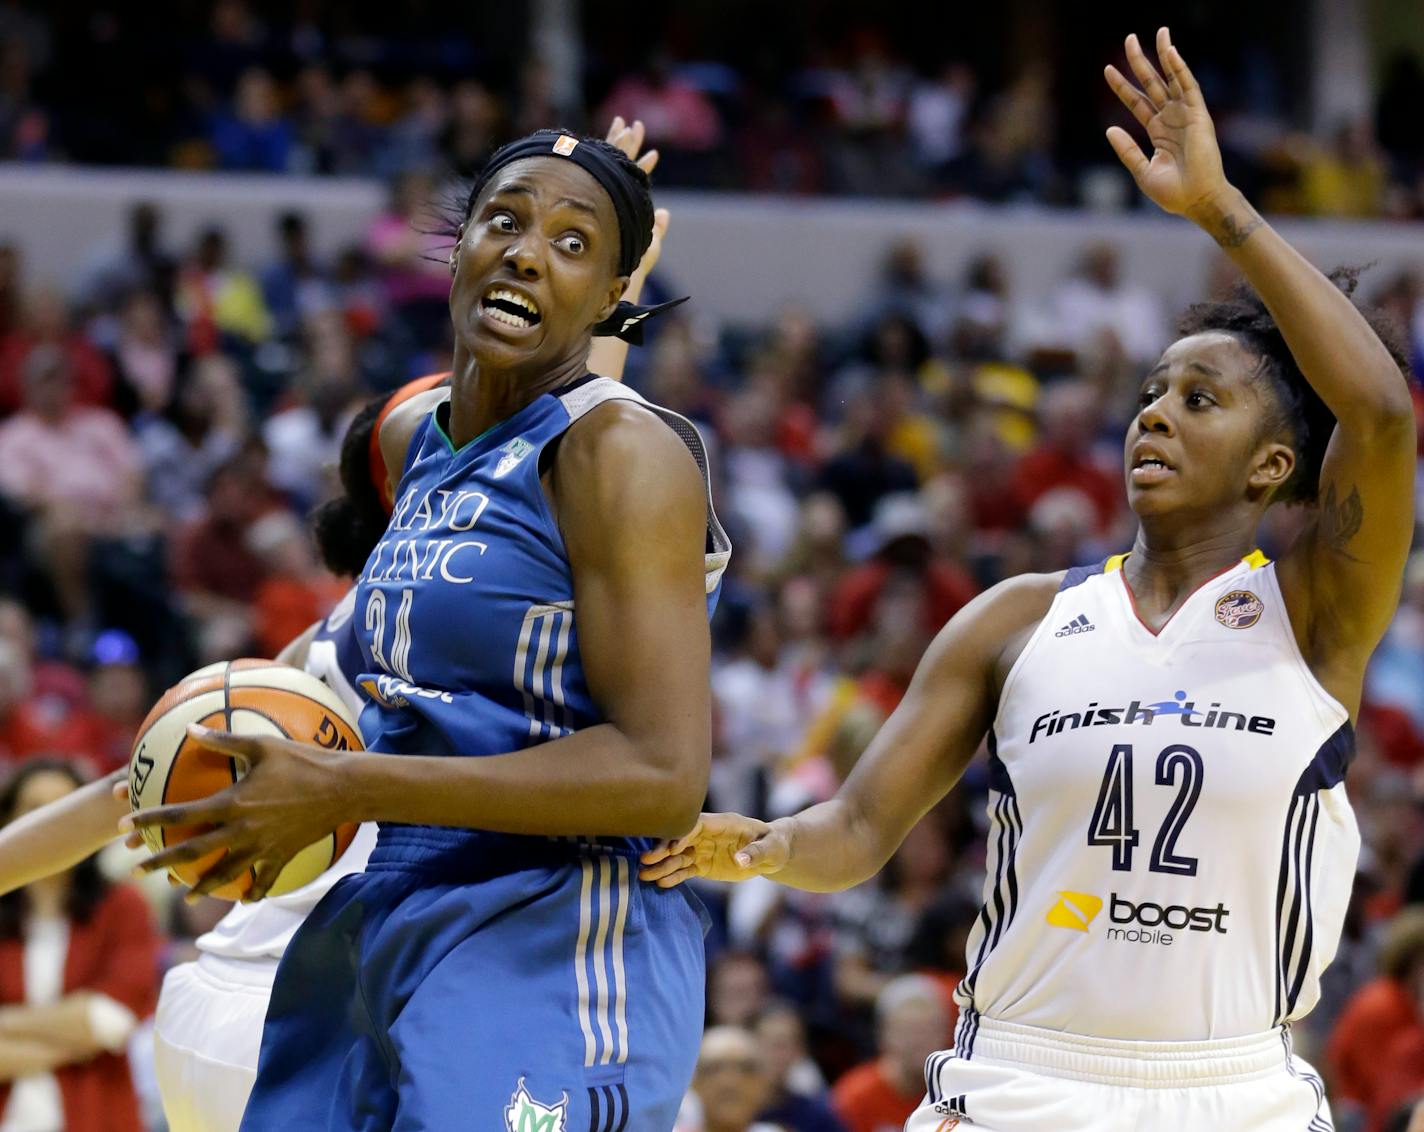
[572,243]
[502,222]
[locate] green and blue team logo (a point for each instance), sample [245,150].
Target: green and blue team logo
[514,452]
[525,1114]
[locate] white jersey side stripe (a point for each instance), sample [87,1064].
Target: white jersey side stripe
[581,957]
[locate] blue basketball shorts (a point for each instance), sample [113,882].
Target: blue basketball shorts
[561,997]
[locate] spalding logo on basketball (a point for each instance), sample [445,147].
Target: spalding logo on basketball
[248,697]
[1240,609]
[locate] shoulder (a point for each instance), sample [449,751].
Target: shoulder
[1012,606]
[400,424]
[622,455]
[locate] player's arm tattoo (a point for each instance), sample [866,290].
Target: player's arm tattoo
[1232,230]
[1340,520]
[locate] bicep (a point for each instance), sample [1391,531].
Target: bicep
[634,526]
[1355,549]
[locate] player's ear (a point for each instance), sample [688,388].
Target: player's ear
[1274,464]
[612,298]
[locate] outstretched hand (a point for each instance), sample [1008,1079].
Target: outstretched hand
[726,847]
[1184,172]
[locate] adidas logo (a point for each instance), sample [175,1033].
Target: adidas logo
[1079,624]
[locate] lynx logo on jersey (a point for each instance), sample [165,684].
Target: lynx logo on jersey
[1075,910]
[525,1114]
[1240,609]
[514,452]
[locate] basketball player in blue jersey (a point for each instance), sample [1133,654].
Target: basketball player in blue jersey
[1171,848]
[534,628]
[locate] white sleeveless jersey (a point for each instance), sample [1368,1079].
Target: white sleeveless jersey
[1170,847]
[261,931]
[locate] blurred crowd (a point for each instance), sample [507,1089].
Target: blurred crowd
[873,104]
[167,426]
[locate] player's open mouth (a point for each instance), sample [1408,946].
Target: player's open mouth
[503,305]
[1150,469]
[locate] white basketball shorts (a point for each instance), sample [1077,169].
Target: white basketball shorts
[207,1033]
[1025,1079]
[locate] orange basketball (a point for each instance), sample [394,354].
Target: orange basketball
[246,697]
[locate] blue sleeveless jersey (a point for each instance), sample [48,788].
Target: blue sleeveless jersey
[465,609]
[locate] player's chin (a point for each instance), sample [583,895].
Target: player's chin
[497,346]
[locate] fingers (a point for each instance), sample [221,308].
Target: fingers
[206,811]
[244,747]
[658,852]
[120,791]
[1138,103]
[1147,76]
[1181,74]
[615,130]
[672,880]
[231,868]
[661,219]
[1128,152]
[767,854]
[184,853]
[665,867]
[648,162]
[264,876]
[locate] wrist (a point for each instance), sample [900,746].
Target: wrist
[359,792]
[1226,216]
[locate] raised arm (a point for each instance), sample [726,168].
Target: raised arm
[1343,580]
[913,761]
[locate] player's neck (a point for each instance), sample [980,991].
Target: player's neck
[480,398]
[1162,570]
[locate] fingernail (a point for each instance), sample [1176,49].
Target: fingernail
[743,859]
[126,824]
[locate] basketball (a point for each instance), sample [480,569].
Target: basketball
[247,697]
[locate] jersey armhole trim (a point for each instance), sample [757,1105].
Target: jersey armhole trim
[1030,645]
[1334,711]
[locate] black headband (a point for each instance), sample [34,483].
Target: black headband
[631,203]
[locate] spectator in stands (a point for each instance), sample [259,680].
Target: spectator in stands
[294,286]
[901,534]
[253,135]
[738,989]
[1097,297]
[876,921]
[937,119]
[316,116]
[797,1089]
[48,323]
[730,1086]
[1062,459]
[201,429]
[216,575]
[475,128]
[911,1023]
[146,356]
[863,471]
[1374,1054]
[137,263]
[413,141]
[218,302]
[78,970]
[119,699]
[74,468]
[682,122]
[295,590]
[411,261]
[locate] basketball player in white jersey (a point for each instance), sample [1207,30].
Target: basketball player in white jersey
[1171,848]
[208,1026]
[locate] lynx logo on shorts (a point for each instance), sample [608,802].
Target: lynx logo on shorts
[514,452]
[1075,910]
[525,1114]
[1240,609]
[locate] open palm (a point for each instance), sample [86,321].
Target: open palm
[1184,170]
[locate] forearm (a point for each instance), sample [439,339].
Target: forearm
[596,782]
[833,847]
[23,1057]
[60,835]
[1337,351]
[66,1025]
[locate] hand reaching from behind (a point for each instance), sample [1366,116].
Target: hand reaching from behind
[1184,172]
[726,847]
[629,138]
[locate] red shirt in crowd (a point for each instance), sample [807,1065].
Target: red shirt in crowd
[1047,468]
[867,1101]
[948,587]
[93,381]
[114,953]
